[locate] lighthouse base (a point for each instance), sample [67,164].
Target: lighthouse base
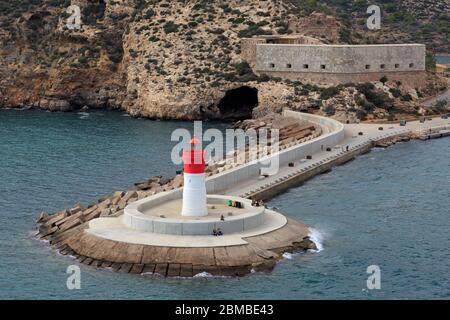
[152,237]
[197,256]
[194,195]
[165,218]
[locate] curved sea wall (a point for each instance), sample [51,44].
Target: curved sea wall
[135,218]
[332,134]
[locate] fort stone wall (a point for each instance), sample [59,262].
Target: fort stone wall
[248,45]
[340,58]
[342,63]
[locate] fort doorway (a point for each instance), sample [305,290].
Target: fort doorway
[238,103]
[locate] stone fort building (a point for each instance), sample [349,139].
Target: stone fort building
[307,60]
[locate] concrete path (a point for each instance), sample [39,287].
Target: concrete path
[352,140]
[114,229]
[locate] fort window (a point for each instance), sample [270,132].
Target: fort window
[323,67]
[411,65]
[367,66]
[382,66]
[289,66]
[306,66]
[397,66]
[272,65]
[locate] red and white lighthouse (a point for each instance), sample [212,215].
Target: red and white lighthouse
[194,191]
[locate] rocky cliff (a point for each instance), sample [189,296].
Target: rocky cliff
[167,59]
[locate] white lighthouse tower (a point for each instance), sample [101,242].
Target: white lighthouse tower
[194,191]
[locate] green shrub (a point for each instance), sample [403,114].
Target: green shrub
[217,31]
[330,110]
[171,27]
[93,11]
[253,30]
[264,78]
[366,105]
[406,97]
[149,13]
[441,104]
[379,99]
[133,53]
[345,35]
[83,60]
[243,68]
[395,92]
[330,92]
[361,114]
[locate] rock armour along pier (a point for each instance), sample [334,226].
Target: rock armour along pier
[300,159]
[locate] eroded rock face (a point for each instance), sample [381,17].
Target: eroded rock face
[166,60]
[45,65]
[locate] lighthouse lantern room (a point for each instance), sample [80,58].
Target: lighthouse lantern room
[194,191]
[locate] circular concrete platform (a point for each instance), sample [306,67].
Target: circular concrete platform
[254,253]
[254,238]
[115,230]
[165,218]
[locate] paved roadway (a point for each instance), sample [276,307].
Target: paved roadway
[352,139]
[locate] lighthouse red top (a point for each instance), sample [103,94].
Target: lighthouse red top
[194,159]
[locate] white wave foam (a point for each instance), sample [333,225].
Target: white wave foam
[203,274]
[47,242]
[83,115]
[317,237]
[287,255]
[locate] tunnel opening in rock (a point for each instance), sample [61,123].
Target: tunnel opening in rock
[238,103]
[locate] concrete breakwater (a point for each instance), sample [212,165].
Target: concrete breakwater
[68,233]
[66,230]
[301,175]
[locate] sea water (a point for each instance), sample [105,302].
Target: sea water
[389,208]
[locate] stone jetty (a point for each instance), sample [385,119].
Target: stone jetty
[65,230]
[65,233]
[317,148]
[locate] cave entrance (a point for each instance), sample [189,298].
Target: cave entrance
[238,103]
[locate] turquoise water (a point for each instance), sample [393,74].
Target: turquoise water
[388,208]
[443,59]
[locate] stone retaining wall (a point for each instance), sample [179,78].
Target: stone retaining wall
[135,218]
[334,134]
